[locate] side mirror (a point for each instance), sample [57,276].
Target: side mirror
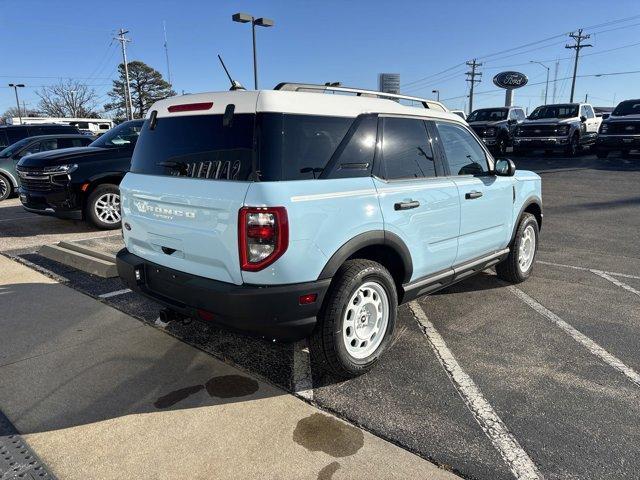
[511,121]
[505,167]
[583,119]
[605,116]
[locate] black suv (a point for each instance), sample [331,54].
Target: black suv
[10,134]
[80,183]
[496,126]
[10,156]
[621,130]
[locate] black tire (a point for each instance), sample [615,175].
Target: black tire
[6,188]
[602,153]
[90,209]
[509,269]
[328,350]
[573,148]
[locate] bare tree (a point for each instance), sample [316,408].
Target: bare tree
[13,112]
[68,99]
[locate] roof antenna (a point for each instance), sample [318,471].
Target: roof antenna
[234,85]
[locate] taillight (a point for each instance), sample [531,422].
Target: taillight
[263,236]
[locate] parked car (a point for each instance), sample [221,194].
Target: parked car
[496,126]
[621,131]
[80,183]
[10,156]
[292,215]
[10,134]
[564,126]
[460,113]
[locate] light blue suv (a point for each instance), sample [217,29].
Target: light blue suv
[293,213]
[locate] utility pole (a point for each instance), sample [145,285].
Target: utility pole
[166,50]
[123,41]
[578,38]
[555,81]
[15,87]
[471,78]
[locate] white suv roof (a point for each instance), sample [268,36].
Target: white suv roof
[299,102]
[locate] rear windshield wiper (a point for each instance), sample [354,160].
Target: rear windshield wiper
[181,167]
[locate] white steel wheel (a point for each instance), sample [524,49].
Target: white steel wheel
[365,320]
[107,208]
[527,249]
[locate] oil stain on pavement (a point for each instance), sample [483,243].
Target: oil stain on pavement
[170,399]
[224,386]
[322,433]
[327,472]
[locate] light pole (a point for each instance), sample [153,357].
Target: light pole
[261,22]
[546,89]
[437,92]
[15,88]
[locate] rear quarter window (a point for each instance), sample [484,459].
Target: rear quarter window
[298,147]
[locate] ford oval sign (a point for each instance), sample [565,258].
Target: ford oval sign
[510,80]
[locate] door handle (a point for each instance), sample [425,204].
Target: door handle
[472,195]
[406,205]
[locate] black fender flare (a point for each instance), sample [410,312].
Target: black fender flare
[527,204]
[367,239]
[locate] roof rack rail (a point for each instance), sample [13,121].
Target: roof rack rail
[307,87]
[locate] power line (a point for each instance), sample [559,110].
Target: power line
[578,38]
[537,42]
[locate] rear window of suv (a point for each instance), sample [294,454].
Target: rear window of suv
[266,146]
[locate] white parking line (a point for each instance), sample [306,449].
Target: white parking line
[578,336]
[115,293]
[302,381]
[512,453]
[615,281]
[615,274]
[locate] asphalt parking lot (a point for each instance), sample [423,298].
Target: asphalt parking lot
[486,379]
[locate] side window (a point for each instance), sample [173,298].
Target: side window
[354,159]
[513,115]
[590,112]
[521,115]
[33,148]
[583,111]
[69,142]
[464,155]
[406,149]
[49,144]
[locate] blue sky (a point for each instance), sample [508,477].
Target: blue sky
[347,41]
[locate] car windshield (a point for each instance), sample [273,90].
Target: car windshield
[125,134]
[11,149]
[630,107]
[555,111]
[488,115]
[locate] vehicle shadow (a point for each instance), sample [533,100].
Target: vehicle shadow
[69,361]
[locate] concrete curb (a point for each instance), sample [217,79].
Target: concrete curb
[81,258]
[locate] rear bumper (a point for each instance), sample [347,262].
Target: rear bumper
[273,312]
